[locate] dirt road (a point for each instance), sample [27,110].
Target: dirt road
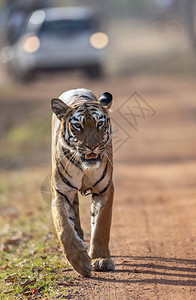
[152,238]
[154,219]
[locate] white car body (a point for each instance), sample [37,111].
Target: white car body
[43,46]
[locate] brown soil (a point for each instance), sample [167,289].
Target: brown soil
[153,236]
[154,218]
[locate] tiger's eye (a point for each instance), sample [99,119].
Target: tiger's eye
[77,126]
[100,123]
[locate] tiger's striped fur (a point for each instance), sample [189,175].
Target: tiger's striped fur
[82,162]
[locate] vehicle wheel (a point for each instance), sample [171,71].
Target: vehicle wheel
[21,77]
[94,72]
[26,77]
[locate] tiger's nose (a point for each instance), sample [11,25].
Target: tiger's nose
[92,147]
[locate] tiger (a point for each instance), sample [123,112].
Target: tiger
[82,161]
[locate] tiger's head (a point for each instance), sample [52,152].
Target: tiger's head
[85,128]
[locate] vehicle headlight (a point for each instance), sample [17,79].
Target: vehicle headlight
[31,44]
[99,40]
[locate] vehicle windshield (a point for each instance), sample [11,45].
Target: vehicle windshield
[64,27]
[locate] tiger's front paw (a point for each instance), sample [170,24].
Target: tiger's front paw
[103,265]
[81,263]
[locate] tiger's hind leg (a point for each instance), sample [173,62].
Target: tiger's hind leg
[101,213]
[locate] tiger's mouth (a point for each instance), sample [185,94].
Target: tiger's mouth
[91,158]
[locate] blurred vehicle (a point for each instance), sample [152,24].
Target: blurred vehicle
[59,39]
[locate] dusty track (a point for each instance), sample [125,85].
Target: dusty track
[152,238]
[154,218]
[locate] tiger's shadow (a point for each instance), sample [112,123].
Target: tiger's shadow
[152,270]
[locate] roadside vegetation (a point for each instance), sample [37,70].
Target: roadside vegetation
[32,265]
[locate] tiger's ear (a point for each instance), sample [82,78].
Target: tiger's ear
[106,100]
[59,108]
